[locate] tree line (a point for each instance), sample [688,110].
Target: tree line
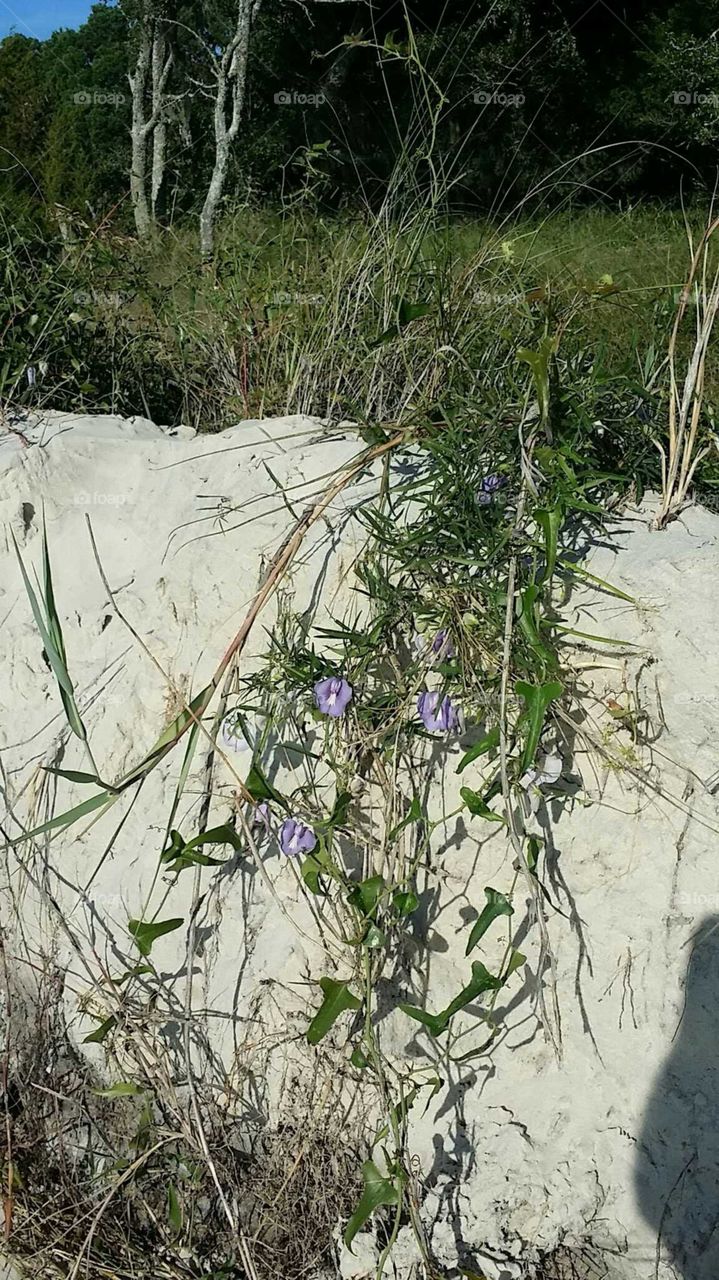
[156,109]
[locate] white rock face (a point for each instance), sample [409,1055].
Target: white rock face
[614,1146]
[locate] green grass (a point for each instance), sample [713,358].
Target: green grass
[287,321]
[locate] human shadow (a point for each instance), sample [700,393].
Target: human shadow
[677,1167]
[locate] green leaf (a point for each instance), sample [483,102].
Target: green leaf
[374,937]
[224,834]
[183,855]
[73,775]
[378,1191]
[338,816]
[539,363]
[533,850]
[485,744]
[405,901]
[497,905]
[549,521]
[70,816]
[537,698]
[482,980]
[580,572]
[48,624]
[100,1033]
[174,1210]
[479,807]
[123,1089]
[366,895]
[337,999]
[145,932]
[359,1058]
[528,625]
[516,960]
[259,788]
[406,313]
[318,863]
[170,736]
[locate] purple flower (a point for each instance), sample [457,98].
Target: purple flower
[442,644]
[333,695]
[490,486]
[233,731]
[296,837]
[261,817]
[438,715]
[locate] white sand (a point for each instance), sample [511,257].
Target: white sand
[517,1152]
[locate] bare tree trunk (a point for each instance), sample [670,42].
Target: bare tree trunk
[138,135]
[151,54]
[159,110]
[231,82]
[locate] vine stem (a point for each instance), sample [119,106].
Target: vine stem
[553,1026]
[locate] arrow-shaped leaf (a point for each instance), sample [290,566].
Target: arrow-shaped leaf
[537,698]
[482,980]
[145,932]
[378,1191]
[337,999]
[497,905]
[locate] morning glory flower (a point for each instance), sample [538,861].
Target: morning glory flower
[333,695]
[442,644]
[438,715]
[261,817]
[296,837]
[233,733]
[490,486]
[440,647]
[546,772]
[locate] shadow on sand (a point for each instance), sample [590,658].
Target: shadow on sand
[677,1171]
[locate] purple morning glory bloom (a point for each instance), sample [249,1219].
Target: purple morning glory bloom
[261,817]
[442,644]
[296,837]
[333,695]
[233,732]
[491,485]
[438,715]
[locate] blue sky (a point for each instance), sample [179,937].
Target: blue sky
[41,17]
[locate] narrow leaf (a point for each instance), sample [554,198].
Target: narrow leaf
[537,699]
[123,1089]
[479,807]
[485,744]
[145,932]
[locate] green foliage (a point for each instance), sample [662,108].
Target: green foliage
[437,1023]
[336,999]
[497,905]
[378,1191]
[145,932]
